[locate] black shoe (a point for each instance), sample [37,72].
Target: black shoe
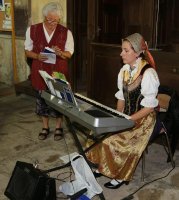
[111,186]
[97,174]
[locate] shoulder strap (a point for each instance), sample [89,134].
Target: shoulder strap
[145,68]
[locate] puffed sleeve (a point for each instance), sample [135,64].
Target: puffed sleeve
[69,45]
[28,42]
[119,93]
[149,88]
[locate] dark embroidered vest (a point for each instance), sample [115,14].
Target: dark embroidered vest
[39,43]
[132,93]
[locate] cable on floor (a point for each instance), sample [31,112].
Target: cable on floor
[130,196]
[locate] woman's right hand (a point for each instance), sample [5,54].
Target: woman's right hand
[41,57]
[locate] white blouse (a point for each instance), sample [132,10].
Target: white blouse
[69,45]
[149,86]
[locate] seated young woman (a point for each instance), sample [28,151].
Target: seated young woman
[118,155]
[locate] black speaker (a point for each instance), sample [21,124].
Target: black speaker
[29,183]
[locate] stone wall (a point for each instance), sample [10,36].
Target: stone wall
[6,67]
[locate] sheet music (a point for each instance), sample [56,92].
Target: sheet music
[45,75]
[51,88]
[46,78]
[50,54]
[51,57]
[59,88]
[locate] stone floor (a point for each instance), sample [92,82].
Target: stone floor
[19,128]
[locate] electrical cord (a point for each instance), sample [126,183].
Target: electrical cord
[76,194]
[68,153]
[130,196]
[71,170]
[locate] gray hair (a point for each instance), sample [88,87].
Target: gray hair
[52,7]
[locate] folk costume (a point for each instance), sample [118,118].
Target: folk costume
[36,40]
[117,155]
[53,35]
[39,43]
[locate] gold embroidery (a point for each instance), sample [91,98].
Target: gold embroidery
[128,79]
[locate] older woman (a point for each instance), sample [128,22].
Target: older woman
[117,156]
[50,34]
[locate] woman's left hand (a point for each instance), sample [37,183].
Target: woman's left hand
[58,51]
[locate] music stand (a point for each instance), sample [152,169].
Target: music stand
[62,90]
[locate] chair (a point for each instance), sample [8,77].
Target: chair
[164,122]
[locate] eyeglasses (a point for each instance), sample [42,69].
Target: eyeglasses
[52,21]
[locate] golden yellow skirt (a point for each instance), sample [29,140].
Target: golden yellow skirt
[118,155]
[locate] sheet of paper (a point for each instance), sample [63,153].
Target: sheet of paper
[51,88]
[46,76]
[51,57]
[48,50]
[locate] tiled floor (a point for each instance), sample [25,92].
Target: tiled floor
[19,128]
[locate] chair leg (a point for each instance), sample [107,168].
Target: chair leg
[169,154]
[169,147]
[143,167]
[169,150]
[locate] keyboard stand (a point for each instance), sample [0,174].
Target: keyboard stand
[72,129]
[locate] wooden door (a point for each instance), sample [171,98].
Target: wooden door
[77,22]
[110,21]
[105,23]
[91,20]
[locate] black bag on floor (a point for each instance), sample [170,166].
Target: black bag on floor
[29,183]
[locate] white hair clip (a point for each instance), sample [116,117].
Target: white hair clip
[146,44]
